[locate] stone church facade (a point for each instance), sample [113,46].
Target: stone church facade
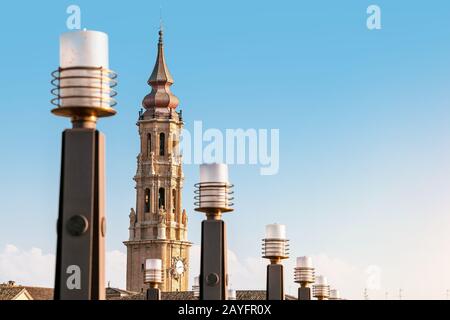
[158,225]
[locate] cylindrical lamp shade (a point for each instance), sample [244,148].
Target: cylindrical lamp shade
[214,172]
[321,289]
[84,79]
[304,271]
[84,49]
[335,294]
[153,271]
[276,231]
[196,287]
[231,294]
[214,189]
[304,262]
[153,264]
[322,281]
[275,244]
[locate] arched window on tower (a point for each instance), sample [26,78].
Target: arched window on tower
[162,143]
[149,144]
[147,200]
[174,200]
[162,198]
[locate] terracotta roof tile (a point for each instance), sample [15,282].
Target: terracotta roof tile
[39,293]
[9,292]
[189,295]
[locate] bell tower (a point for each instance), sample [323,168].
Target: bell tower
[158,225]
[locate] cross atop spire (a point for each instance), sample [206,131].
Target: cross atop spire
[160,21]
[160,80]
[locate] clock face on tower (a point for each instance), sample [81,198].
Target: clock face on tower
[178,267]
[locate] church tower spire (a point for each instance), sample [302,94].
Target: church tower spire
[158,225]
[160,80]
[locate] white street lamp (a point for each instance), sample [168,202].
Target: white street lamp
[275,247]
[304,275]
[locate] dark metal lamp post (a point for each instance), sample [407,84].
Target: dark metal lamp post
[213,197]
[82,89]
[275,248]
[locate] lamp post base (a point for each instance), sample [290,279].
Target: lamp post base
[275,288]
[304,293]
[153,294]
[81,221]
[213,272]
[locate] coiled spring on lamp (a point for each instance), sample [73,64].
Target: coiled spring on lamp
[214,195]
[275,248]
[84,87]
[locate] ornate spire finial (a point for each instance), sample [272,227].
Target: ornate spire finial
[161,33]
[160,81]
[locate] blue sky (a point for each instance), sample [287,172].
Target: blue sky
[363,116]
